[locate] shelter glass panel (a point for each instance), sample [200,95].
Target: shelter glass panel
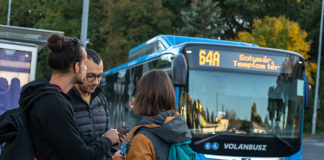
[14,73]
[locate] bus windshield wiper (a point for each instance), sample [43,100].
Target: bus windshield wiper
[215,135]
[277,137]
[248,134]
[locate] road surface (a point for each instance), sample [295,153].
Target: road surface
[313,148]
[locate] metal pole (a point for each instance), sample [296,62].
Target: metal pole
[84,27]
[318,73]
[9,10]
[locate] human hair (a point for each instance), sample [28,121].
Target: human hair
[154,94]
[62,52]
[93,55]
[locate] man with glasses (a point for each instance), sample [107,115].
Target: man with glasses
[89,104]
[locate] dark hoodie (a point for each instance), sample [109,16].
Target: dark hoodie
[52,126]
[150,139]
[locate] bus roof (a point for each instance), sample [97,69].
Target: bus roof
[170,40]
[172,49]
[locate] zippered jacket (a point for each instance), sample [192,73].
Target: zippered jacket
[52,126]
[92,119]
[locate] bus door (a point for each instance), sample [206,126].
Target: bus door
[119,112]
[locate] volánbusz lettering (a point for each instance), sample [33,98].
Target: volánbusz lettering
[249,147]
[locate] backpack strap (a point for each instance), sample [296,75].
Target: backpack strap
[23,109]
[128,145]
[105,105]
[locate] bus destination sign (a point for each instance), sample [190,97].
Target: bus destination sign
[239,60]
[255,62]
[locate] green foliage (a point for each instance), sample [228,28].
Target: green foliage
[175,6]
[59,15]
[239,14]
[42,69]
[305,2]
[114,27]
[312,25]
[66,16]
[308,114]
[62,15]
[130,23]
[202,20]
[310,22]
[24,13]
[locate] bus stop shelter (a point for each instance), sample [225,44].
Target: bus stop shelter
[15,41]
[19,47]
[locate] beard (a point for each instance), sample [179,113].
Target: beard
[85,88]
[79,80]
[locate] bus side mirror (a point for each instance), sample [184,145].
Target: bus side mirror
[179,70]
[308,95]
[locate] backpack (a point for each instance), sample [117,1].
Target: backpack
[14,132]
[177,151]
[181,151]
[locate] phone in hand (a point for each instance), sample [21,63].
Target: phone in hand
[122,131]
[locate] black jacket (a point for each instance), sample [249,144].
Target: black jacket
[92,119]
[52,127]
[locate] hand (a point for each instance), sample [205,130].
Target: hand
[121,140]
[118,153]
[112,134]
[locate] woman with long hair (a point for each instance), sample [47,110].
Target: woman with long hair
[153,138]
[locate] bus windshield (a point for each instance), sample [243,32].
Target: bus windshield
[239,103]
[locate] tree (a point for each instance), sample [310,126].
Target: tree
[66,16]
[24,13]
[175,6]
[255,117]
[280,33]
[212,118]
[312,26]
[42,69]
[232,118]
[266,121]
[310,22]
[130,23]
[239,14]
[202,20]
[208,118]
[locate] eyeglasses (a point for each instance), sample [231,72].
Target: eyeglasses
[77,49]
[92,77]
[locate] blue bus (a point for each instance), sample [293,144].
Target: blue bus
[240,101]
